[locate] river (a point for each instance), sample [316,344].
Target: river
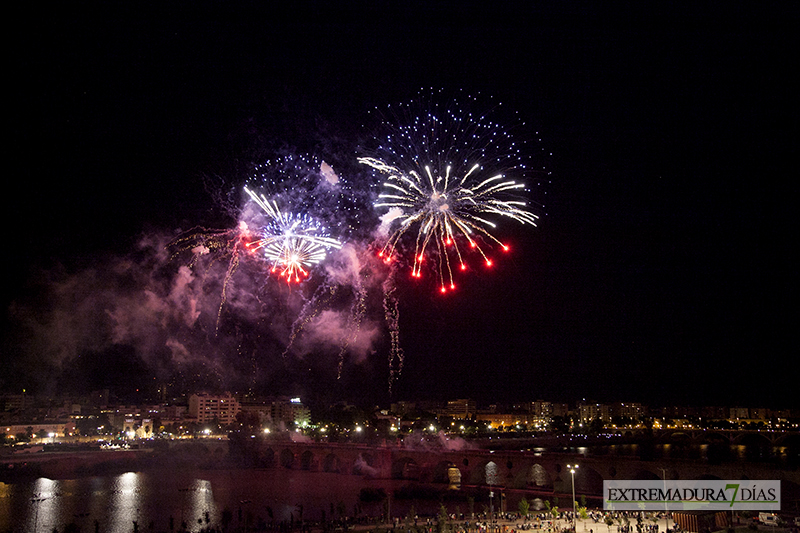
[196,497]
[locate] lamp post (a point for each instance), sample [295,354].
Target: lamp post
[572,469]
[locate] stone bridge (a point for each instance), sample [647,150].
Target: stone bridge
[537,472]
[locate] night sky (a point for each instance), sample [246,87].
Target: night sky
[661,269]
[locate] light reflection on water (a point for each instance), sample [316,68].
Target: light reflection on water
[124,501]
[194,497]
[114,502]
[45,504]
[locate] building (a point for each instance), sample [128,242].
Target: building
[14,402]
[43,429]
[461,409]
[592,411]
[497,420]
[542,410]
[737,413]
[207,408]
[503,420]
[631,410]
[541,413]
[715,413]
[139,428]
[285,412]
[560,409]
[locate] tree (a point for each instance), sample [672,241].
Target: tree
[524,507]
[559,424]
[442,519]
[583,514]
[411,516]
[596,426]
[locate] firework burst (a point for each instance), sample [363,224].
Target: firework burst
[291,242]
[449,177]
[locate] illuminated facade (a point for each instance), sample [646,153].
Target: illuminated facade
[461,409]
[207,408]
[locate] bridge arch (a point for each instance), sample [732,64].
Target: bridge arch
[679,436]
[365,465]
[588,481]
[287,458]
[405,468]
[454,478]
[478,474]
[708,476]
[644,474]
[537,504]
[754,438]
[439,473]
[266,458]
[715,437]
[331,463]
[538,477]
[307,460]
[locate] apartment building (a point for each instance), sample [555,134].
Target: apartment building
[208,407]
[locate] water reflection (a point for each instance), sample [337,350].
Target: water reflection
[176,495]
[124,501]
[713,453]
[158,500]
[201,503]
[44,505]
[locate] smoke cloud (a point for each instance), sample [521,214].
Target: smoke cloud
[211,318]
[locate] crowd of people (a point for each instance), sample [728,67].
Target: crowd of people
[543,522]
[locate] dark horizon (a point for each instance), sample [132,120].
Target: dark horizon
[660,271]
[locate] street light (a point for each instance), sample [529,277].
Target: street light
[572,469]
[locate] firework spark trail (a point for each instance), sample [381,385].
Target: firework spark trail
[357,313]
[221,243]
[391,312]
[445,177]
[291,242]
[308,313]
